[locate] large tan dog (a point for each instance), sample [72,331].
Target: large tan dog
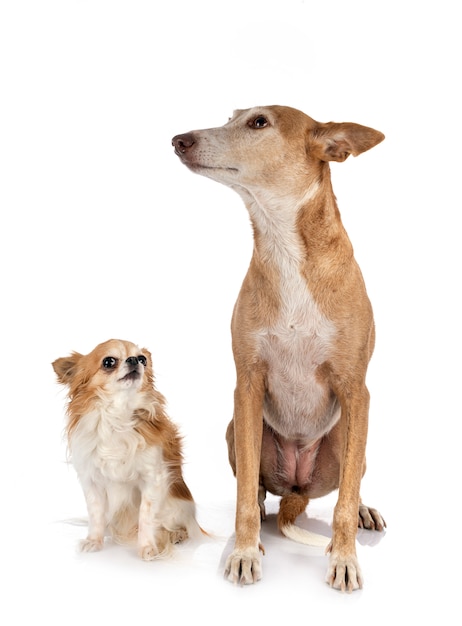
[302,329]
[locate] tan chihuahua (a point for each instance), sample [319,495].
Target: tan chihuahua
[126,451]
[302,331]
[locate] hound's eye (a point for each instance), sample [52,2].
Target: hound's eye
[259,122]
[143,360]
[109,362]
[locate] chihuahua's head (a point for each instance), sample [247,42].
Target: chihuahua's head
[113,367]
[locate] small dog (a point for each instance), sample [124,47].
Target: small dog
[126,451]
[302,331]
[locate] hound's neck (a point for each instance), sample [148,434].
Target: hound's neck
[290,229]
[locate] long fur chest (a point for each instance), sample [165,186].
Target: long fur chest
[105,446]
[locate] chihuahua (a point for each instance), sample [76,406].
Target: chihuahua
[126,451]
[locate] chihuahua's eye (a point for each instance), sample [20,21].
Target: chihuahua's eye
[109,362]
[143,360]
[259,122]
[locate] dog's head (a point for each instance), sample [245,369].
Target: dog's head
[113,367]
[271,147]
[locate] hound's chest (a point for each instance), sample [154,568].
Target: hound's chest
[298,401]
[300,338]
[293,352]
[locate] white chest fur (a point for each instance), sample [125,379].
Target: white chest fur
[105,447]
[297,404]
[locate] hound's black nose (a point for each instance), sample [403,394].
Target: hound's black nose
[183,143]
[132,360]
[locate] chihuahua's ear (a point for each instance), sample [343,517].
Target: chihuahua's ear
[336,141]
[65,367]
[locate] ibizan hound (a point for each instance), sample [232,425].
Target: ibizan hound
[302,331]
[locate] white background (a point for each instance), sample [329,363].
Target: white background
[105,234]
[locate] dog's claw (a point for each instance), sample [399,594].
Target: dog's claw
[243,567]
[370,519]
[344,574]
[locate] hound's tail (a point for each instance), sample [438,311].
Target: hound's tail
[290,507]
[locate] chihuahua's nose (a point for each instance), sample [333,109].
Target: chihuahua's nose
[132,360]
[183,143]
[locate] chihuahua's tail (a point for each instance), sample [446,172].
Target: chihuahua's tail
[290,507]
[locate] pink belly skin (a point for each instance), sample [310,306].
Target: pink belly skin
[288,464]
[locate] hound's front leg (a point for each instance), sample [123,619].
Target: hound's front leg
[344,572]
[244,563]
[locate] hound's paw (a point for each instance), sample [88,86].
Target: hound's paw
[91,545]
[243,566]
[344,573]
[370,519]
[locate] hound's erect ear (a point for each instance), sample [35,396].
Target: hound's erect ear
[336,141]
[65,367]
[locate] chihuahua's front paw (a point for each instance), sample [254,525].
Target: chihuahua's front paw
[148,553]
[91,545]
[243,566]
[344,573]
